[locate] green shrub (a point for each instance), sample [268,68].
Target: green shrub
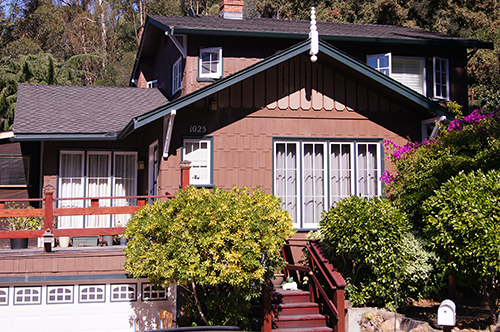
[220,246]
[462,222]
[370,242]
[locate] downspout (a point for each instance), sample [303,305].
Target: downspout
[168,133]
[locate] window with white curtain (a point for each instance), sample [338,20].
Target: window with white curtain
[96,174]
[310,176]
[199,153]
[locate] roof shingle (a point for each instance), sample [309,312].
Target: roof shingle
[325,29]
[81,109]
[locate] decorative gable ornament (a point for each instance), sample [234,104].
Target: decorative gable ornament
[313,36]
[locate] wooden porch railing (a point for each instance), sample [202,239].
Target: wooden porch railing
[326,284]
[50,214]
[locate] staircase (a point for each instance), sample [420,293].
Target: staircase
[294,312]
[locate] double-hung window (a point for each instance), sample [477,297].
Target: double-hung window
[441,79]
[176,75]
[199,153]
[409,71]
[310,176]
[96,174]
[210,63]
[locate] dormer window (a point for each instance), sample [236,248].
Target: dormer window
[176,75]
[152,84]
[409,71]
[210,63]
[441,79]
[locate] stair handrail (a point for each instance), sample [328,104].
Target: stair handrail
[319,260]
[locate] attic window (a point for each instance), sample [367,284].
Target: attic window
[409,71]
[176,75]
[441,79]
[152,84]
[210,63]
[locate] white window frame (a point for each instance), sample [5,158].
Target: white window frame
[66,296]
[286,183]
[152,84]
[177,75]
[197,164]
[97,295]
[342,169]
[444,86]
[27,295]
[375,168]
[87,221]
[211,74]
[389,71]
[318,181]
[124,292]
[324,192]
[402,78]
[4,296]
[151,293]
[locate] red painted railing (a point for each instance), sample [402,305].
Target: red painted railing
[50,214]
[326,284]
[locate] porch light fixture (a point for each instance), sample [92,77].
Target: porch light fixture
[140,164]
[212,105]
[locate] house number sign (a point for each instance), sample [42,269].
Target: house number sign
[197,129]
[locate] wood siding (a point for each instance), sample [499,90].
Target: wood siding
[295,99]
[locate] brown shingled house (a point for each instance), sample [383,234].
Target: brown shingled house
[242,101]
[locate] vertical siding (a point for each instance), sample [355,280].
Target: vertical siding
[293,99]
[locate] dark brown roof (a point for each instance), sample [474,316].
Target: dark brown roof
[325,29]
[44,109]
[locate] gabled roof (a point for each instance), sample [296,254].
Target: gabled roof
[48,112]
[328,31]
[86,111]
[327,53]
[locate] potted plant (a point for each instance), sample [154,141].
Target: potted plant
[22,223]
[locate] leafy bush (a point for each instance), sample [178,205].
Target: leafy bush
[370,242]
[462,219]
[220,246]
[23,223]
[469,143]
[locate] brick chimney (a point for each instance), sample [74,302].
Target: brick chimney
[232,9]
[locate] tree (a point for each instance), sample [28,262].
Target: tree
[220,246]
[370,242]
[461,222]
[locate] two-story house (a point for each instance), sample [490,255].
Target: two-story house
[242,101]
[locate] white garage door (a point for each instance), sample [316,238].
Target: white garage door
[114,306]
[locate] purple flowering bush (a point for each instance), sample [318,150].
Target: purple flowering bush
[468,143]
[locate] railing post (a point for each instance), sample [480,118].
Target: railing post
[185,169]
[49,208]
[267,307]
[339,302]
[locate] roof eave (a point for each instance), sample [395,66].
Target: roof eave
[63,137]
[468,43]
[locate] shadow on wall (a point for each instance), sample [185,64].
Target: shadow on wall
[147,313]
